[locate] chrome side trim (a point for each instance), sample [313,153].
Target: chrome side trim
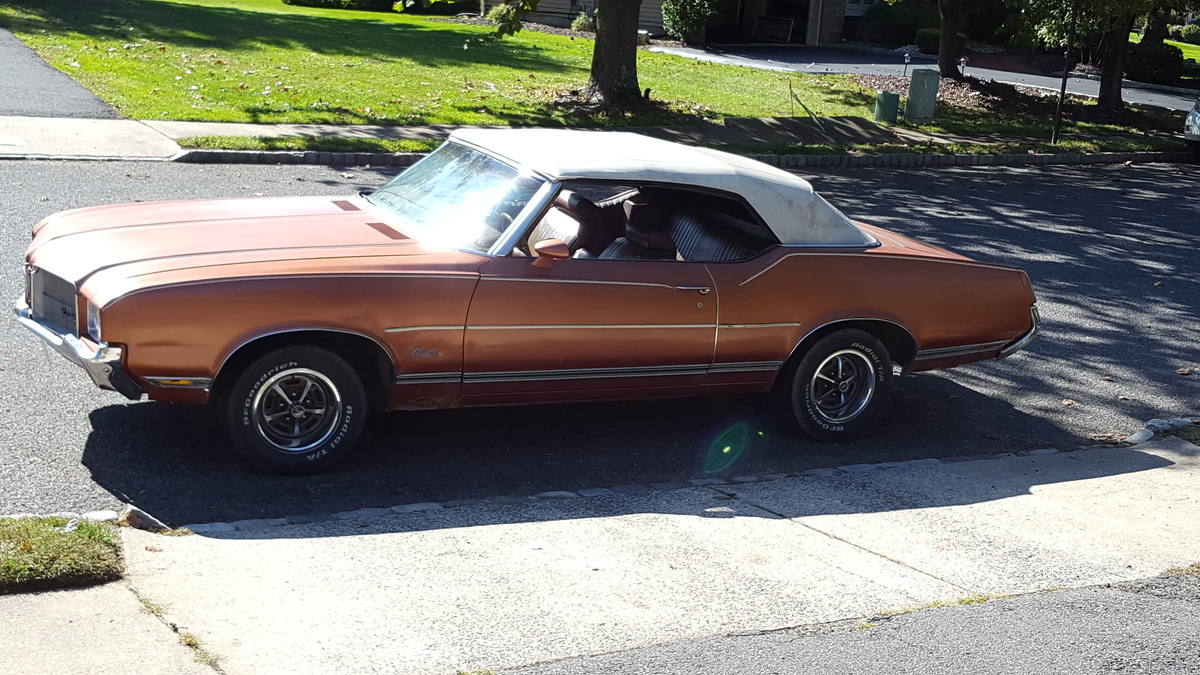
[410,329]
[746,367]
[619,373]
[758,325]
[1023,341]
[597,282]
[858,318]
[391,357]
[582,374]
[103,364]
[882,256]
[204,383]
[959,350]
[584,326]
[429,378]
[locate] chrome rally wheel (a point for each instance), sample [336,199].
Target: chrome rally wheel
[295,409]
[841,385]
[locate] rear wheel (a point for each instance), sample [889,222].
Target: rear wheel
[295,410]
[841,386]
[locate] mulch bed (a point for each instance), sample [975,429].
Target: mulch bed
[1009,99]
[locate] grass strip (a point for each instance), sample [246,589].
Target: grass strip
[314,143]
[339,144]
[44,553]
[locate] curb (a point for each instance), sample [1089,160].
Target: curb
[1159,427]
[315,157]
[406,159]
[1133,84]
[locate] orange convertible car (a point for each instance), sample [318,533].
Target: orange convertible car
[510,267]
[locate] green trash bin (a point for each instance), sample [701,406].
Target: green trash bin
[887,103]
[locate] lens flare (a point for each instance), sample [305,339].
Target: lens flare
[730,444]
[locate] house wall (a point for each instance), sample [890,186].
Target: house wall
[833,16]
[561,12]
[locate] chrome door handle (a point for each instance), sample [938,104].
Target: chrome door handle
[703,289]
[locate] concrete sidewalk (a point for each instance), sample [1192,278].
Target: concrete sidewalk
[509,583]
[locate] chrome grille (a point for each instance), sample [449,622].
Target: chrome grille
[52,300]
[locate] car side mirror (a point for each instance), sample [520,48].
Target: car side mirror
[549,250]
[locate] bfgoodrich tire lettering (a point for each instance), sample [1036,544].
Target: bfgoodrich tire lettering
[295,410]
[841,386]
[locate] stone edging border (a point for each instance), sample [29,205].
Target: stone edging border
[406,159]
[135,517]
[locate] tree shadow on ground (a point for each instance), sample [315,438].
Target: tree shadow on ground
[1111,255]
[174,462]
[354,35]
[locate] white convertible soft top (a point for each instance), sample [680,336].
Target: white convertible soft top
[787,203]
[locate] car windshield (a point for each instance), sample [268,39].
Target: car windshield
[458,197]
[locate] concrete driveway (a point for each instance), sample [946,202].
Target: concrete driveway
[823,60]
[511,582]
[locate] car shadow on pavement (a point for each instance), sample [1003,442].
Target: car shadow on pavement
[174,462]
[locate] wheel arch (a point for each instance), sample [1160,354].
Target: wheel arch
[900,343]
[367,356]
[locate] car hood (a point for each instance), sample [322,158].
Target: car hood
[130,240]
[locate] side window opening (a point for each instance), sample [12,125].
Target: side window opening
[651,222]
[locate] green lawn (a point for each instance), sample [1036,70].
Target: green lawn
[263,61]
[41,553]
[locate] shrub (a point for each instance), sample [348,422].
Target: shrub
[502,13]
[1156,64]
[897,24]
[685,19]
[368,5]
[1190,34]
[583,23]
[930,40]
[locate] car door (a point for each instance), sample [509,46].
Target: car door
[587,329]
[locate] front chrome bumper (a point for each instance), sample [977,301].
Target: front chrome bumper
[102,364]
[1023,341]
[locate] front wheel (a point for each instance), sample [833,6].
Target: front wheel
[295,410]
[841,386]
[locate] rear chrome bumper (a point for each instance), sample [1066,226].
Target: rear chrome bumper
[102,364]
[1023,341]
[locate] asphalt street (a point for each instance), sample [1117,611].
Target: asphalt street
[1110,250]
[1137,627]
[823,60]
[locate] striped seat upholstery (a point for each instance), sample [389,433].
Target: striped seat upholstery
[710,236]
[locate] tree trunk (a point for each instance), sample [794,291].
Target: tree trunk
[1156,28]
[1112,69]
[614,79]
[951,14]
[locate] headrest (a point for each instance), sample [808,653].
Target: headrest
[577,205]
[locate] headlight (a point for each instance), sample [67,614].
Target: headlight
[93,321]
